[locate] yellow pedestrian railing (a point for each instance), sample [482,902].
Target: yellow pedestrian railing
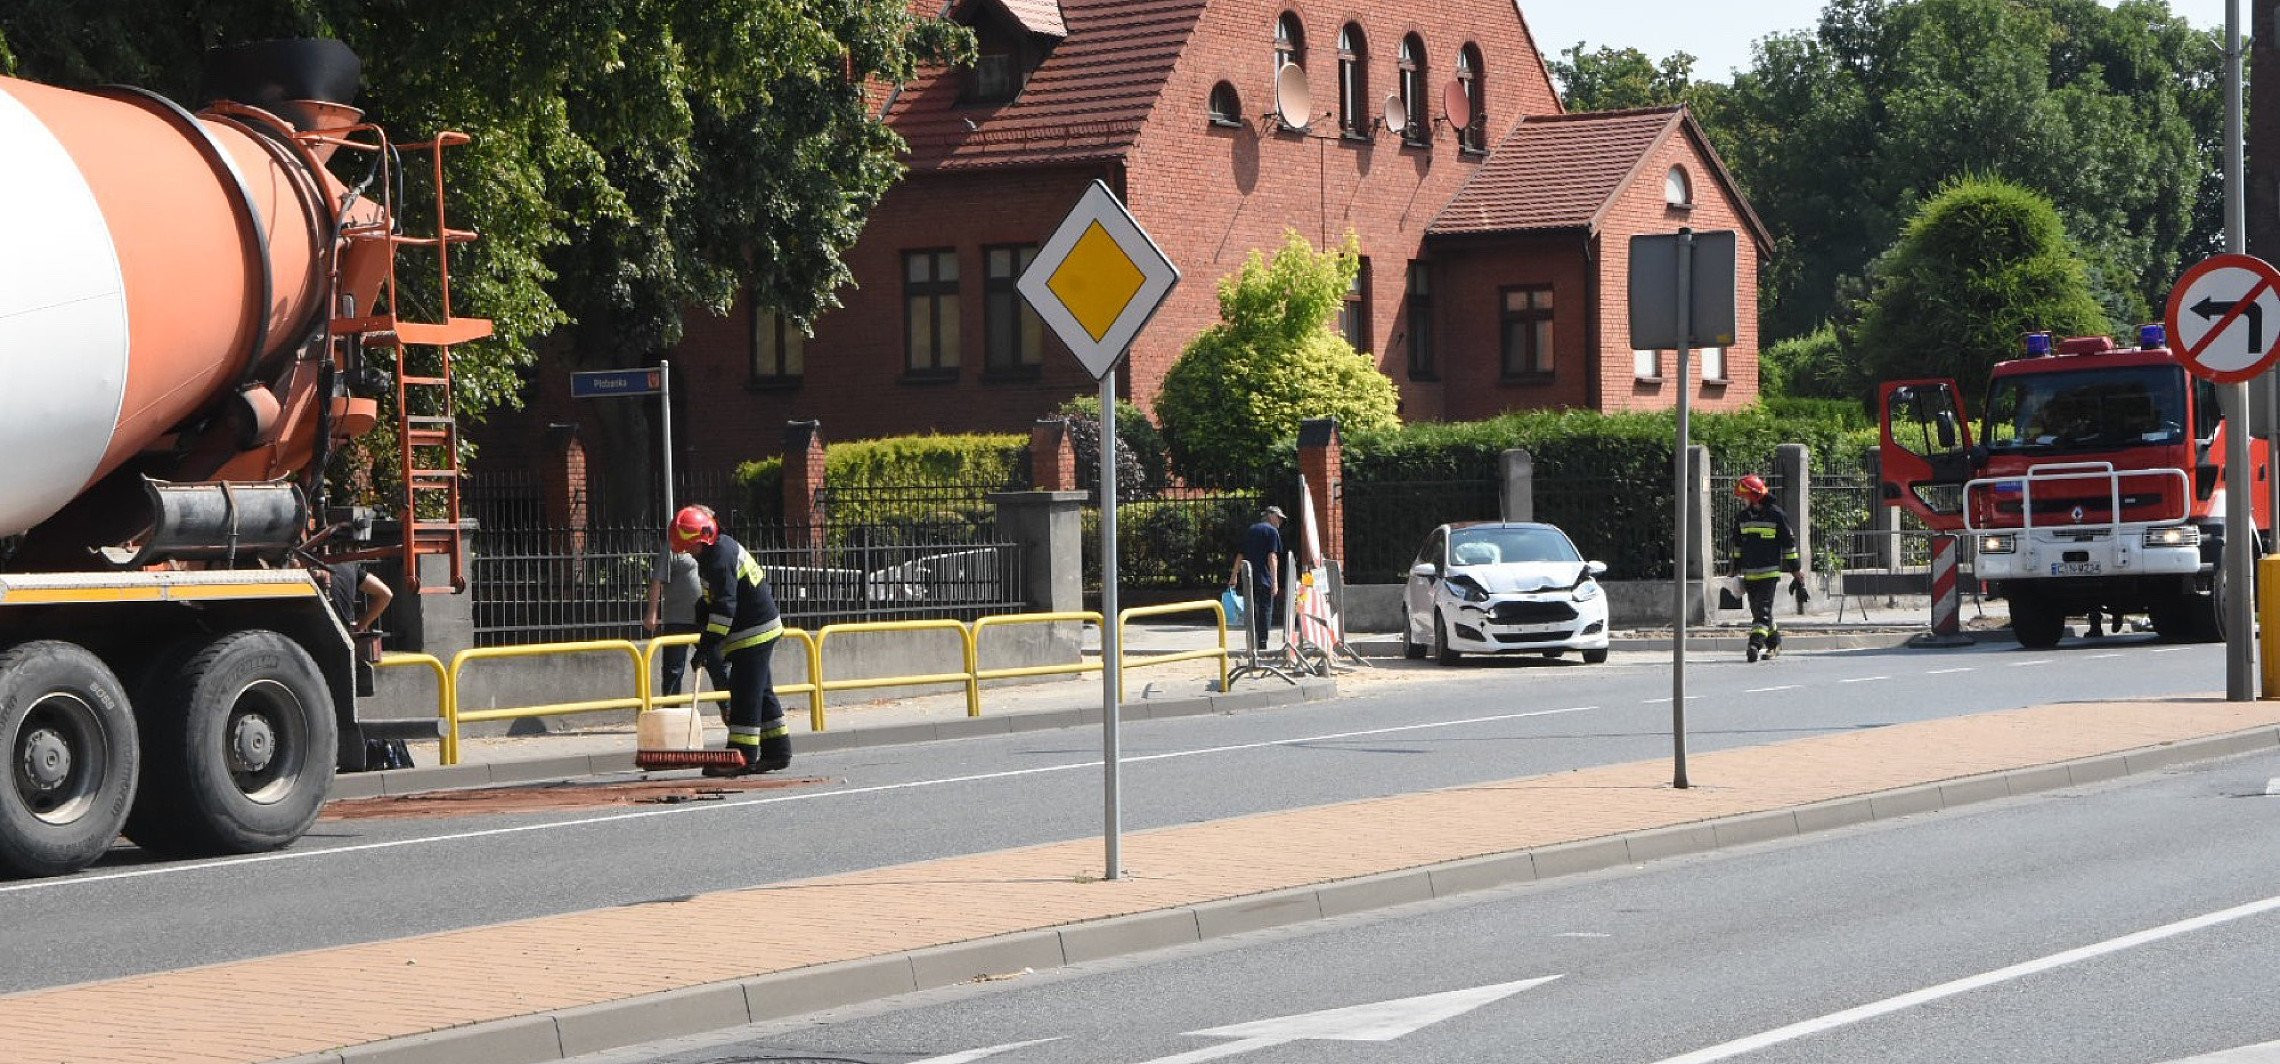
[455,716]
[1126,662]
[643,658]
[810,657]
[965,645]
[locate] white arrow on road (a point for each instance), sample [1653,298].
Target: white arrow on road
[1381,1021]
[971,1055]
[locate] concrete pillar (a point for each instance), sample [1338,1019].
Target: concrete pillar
[1793,471]
[1519,484]
[441,625]
[1698,511]
[1052,456]
[1884,518]
[804,519]
[1320,459]
[1049,528]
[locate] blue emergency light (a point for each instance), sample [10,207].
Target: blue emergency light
[2151,336]
[2038,344]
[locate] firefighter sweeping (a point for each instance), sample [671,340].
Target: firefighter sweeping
[1764,547]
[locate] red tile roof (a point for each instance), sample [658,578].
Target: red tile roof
[1086,101]
[1556,171]
[1037,16]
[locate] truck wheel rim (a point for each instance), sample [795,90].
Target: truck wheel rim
[265,741]
[58,759]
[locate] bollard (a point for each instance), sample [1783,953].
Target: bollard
[1947,603]
[2268,622]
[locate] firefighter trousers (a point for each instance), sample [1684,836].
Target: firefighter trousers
[755,715]
[1764,630]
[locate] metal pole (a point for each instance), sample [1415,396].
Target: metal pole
[665,420]
[1112,816]
[1680,502]
[2240,503]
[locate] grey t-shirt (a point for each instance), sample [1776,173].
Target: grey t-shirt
[678,572]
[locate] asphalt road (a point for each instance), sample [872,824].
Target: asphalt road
[353,881]
[2132,923]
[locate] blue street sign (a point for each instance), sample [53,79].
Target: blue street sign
[603,383]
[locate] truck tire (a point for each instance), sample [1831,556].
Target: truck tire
[2035,623]
[239,748]
[2205,612]
[70,740]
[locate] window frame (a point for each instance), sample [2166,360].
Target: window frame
[1232,114]
[1028,363]
[1354,310]
[1290,41]
[790,351]
[1417,298]
[1354,82]
[1539,361]
[1413,82]
[1473,138]
[1685,181]
[937,293]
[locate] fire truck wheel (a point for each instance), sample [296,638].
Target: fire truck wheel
[240,752]
[71,747]
[2036,624]
[2207,611]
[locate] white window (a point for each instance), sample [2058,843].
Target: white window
[1646,364]
[1713,362]
[1677,190]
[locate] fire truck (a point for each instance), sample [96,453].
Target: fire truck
[2096,482]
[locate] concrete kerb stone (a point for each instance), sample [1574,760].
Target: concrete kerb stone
[557,1035]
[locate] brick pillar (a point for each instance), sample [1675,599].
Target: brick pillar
[803,484]
[562,484]
[1320,461]
[1052,456]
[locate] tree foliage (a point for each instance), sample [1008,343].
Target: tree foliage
[1839,134]
[1982,264]
[1614,79]
[1242,387]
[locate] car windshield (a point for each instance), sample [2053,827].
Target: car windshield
[2082,410]
[1490,546]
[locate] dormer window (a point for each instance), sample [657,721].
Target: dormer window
[1004,54]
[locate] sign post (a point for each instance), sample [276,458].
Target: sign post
[1682,297]
[619,383]
[1097,281]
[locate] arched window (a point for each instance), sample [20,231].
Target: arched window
[1474,137]
[1290,41]
[1226,105]
[1678,191]
[1413,97]
[1353,81]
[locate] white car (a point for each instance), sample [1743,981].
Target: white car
[1503,588]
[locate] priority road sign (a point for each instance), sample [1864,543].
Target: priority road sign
[1098,280]
[2224,316]
[601,383]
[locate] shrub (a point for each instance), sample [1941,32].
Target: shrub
[1141,466]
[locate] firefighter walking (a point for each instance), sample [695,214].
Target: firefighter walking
[1763,547]
[741,627]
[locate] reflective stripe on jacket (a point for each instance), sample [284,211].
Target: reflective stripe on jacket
[742,610]
[1763,545]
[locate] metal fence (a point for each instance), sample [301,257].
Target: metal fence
[1386,521]
[1176,539]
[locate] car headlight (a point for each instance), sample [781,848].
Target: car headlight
[2003,544]
[2173,536]
[1467,589]
[1586,591]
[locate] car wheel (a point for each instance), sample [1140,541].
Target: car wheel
[1441,651]
[1595,657]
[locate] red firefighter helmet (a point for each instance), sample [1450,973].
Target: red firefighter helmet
[1750,488]
[694,527]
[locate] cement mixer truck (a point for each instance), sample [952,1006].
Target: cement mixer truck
[196,313]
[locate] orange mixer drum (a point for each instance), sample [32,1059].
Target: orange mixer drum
[151,259]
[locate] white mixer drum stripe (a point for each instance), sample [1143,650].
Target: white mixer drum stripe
[63,324]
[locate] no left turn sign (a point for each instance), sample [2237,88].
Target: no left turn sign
[2224,317]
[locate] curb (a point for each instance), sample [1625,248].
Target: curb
[402,781]
[567,1033]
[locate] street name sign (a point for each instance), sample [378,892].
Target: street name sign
[1098,280]
[2224,316]
[603,383]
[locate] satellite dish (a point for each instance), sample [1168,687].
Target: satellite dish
[1456,104]
[1396,114]
[1293,103]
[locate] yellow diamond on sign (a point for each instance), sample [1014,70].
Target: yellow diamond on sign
[1096,281]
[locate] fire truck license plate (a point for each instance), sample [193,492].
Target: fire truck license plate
[2074,568]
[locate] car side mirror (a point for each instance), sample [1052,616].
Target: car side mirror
[1428,570]
[1595,568]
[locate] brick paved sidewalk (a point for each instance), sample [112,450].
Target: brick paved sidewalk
[545,988]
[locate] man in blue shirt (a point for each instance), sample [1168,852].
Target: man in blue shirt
[1262,547]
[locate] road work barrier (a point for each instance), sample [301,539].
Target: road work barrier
[455,716]
[1126,662]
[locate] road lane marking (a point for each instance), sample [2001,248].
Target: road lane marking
[714,807]
[971,1055]
[1929,994]
[2108,654]
[1865,679]
[2260,1053]
[1944,672]
[1665,700]
[2169,650]
[1377,1021]
[2024,664]
[1763,690]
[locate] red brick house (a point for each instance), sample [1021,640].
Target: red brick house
[1494,227]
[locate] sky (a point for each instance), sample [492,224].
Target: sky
[1719,34]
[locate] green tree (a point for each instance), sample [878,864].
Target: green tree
[1241,388]
[1983,263]
[632,159]
[1612,79]
[1839,134]
[1808,366]
[1141,465]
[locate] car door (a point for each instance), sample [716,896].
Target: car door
[1424,576]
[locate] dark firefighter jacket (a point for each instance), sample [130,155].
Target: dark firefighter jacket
[1764,547]
[742,609]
